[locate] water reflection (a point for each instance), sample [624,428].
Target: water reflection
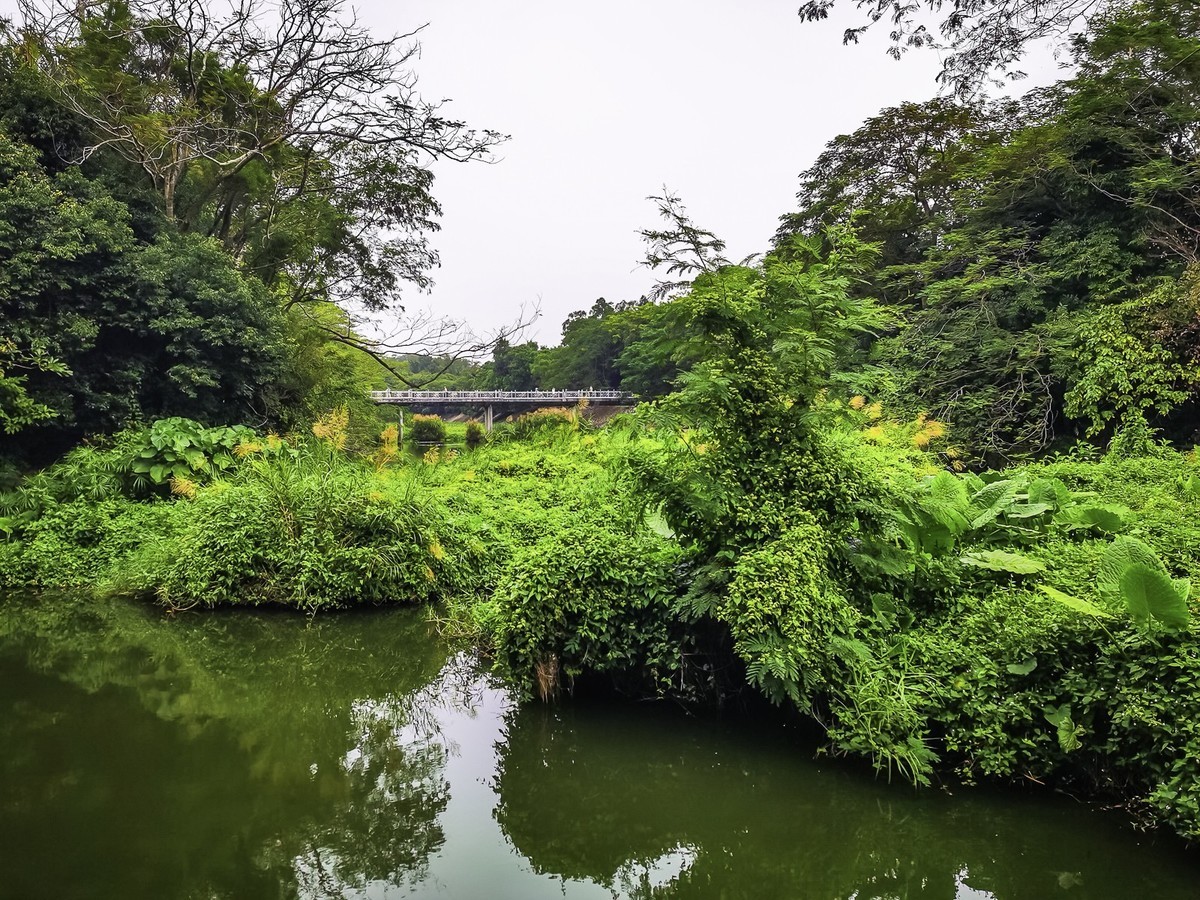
[256,755]
[260,755]
[711,811]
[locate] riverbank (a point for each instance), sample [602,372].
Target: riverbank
[1025,626]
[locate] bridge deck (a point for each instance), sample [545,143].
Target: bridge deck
[524,398]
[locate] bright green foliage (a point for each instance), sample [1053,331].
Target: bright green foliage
[427,429]
[1134,362]
[788,622]
[591,601]
[69,543]
[1120,556]
[765,341]
[474,434]
[294,532]
[1151,595]
[881,715]
[179,448]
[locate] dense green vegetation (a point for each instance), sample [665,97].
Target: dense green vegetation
[922,473]
[1037,257]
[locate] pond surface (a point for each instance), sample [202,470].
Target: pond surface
[266,755]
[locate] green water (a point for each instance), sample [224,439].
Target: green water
[265,755]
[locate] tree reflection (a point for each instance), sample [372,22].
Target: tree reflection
[250,755]
[654,806]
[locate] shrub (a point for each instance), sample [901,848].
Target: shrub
[475,434]
[180,448]
[70,544]
[788,621]
[546,418]
[588,599]
[303,531]
[428,429]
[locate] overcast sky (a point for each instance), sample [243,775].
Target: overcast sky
[722,102]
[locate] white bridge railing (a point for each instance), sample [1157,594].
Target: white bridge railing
[466,398]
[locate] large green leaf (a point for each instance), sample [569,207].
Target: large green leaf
[1075,603]
[947,502]
[987,503]
[1003,561]
[1106,518]
[1024,667]
[1149,593]
[1026,510]
[1190,486]
[1068,731]
[1118,557]
[1051,491]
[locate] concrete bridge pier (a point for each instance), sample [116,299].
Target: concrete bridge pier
[488,418]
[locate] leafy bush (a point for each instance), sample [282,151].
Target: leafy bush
[547,418]
[303,532]
[788,621]
[71,543]
[179,448]
[589,599]
[428,429]
[474,434]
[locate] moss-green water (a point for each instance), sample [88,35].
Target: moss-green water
[270,755]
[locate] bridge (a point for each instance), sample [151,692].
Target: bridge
[487,399]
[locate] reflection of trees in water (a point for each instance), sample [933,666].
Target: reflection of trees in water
[655,808]
[398,750]
[282,751]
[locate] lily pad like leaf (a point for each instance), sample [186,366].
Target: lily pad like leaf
[1022,668]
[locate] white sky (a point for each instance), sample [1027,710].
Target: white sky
[724,103]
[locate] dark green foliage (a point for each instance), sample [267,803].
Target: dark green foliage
[895,178]
[587,357]
[1034,248]
[17,409]
[512,367]
[136,331]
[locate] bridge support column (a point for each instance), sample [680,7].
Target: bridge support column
[488,419]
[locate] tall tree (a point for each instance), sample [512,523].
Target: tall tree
[587,356]
[284,130]
[896,177]
[166,328]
